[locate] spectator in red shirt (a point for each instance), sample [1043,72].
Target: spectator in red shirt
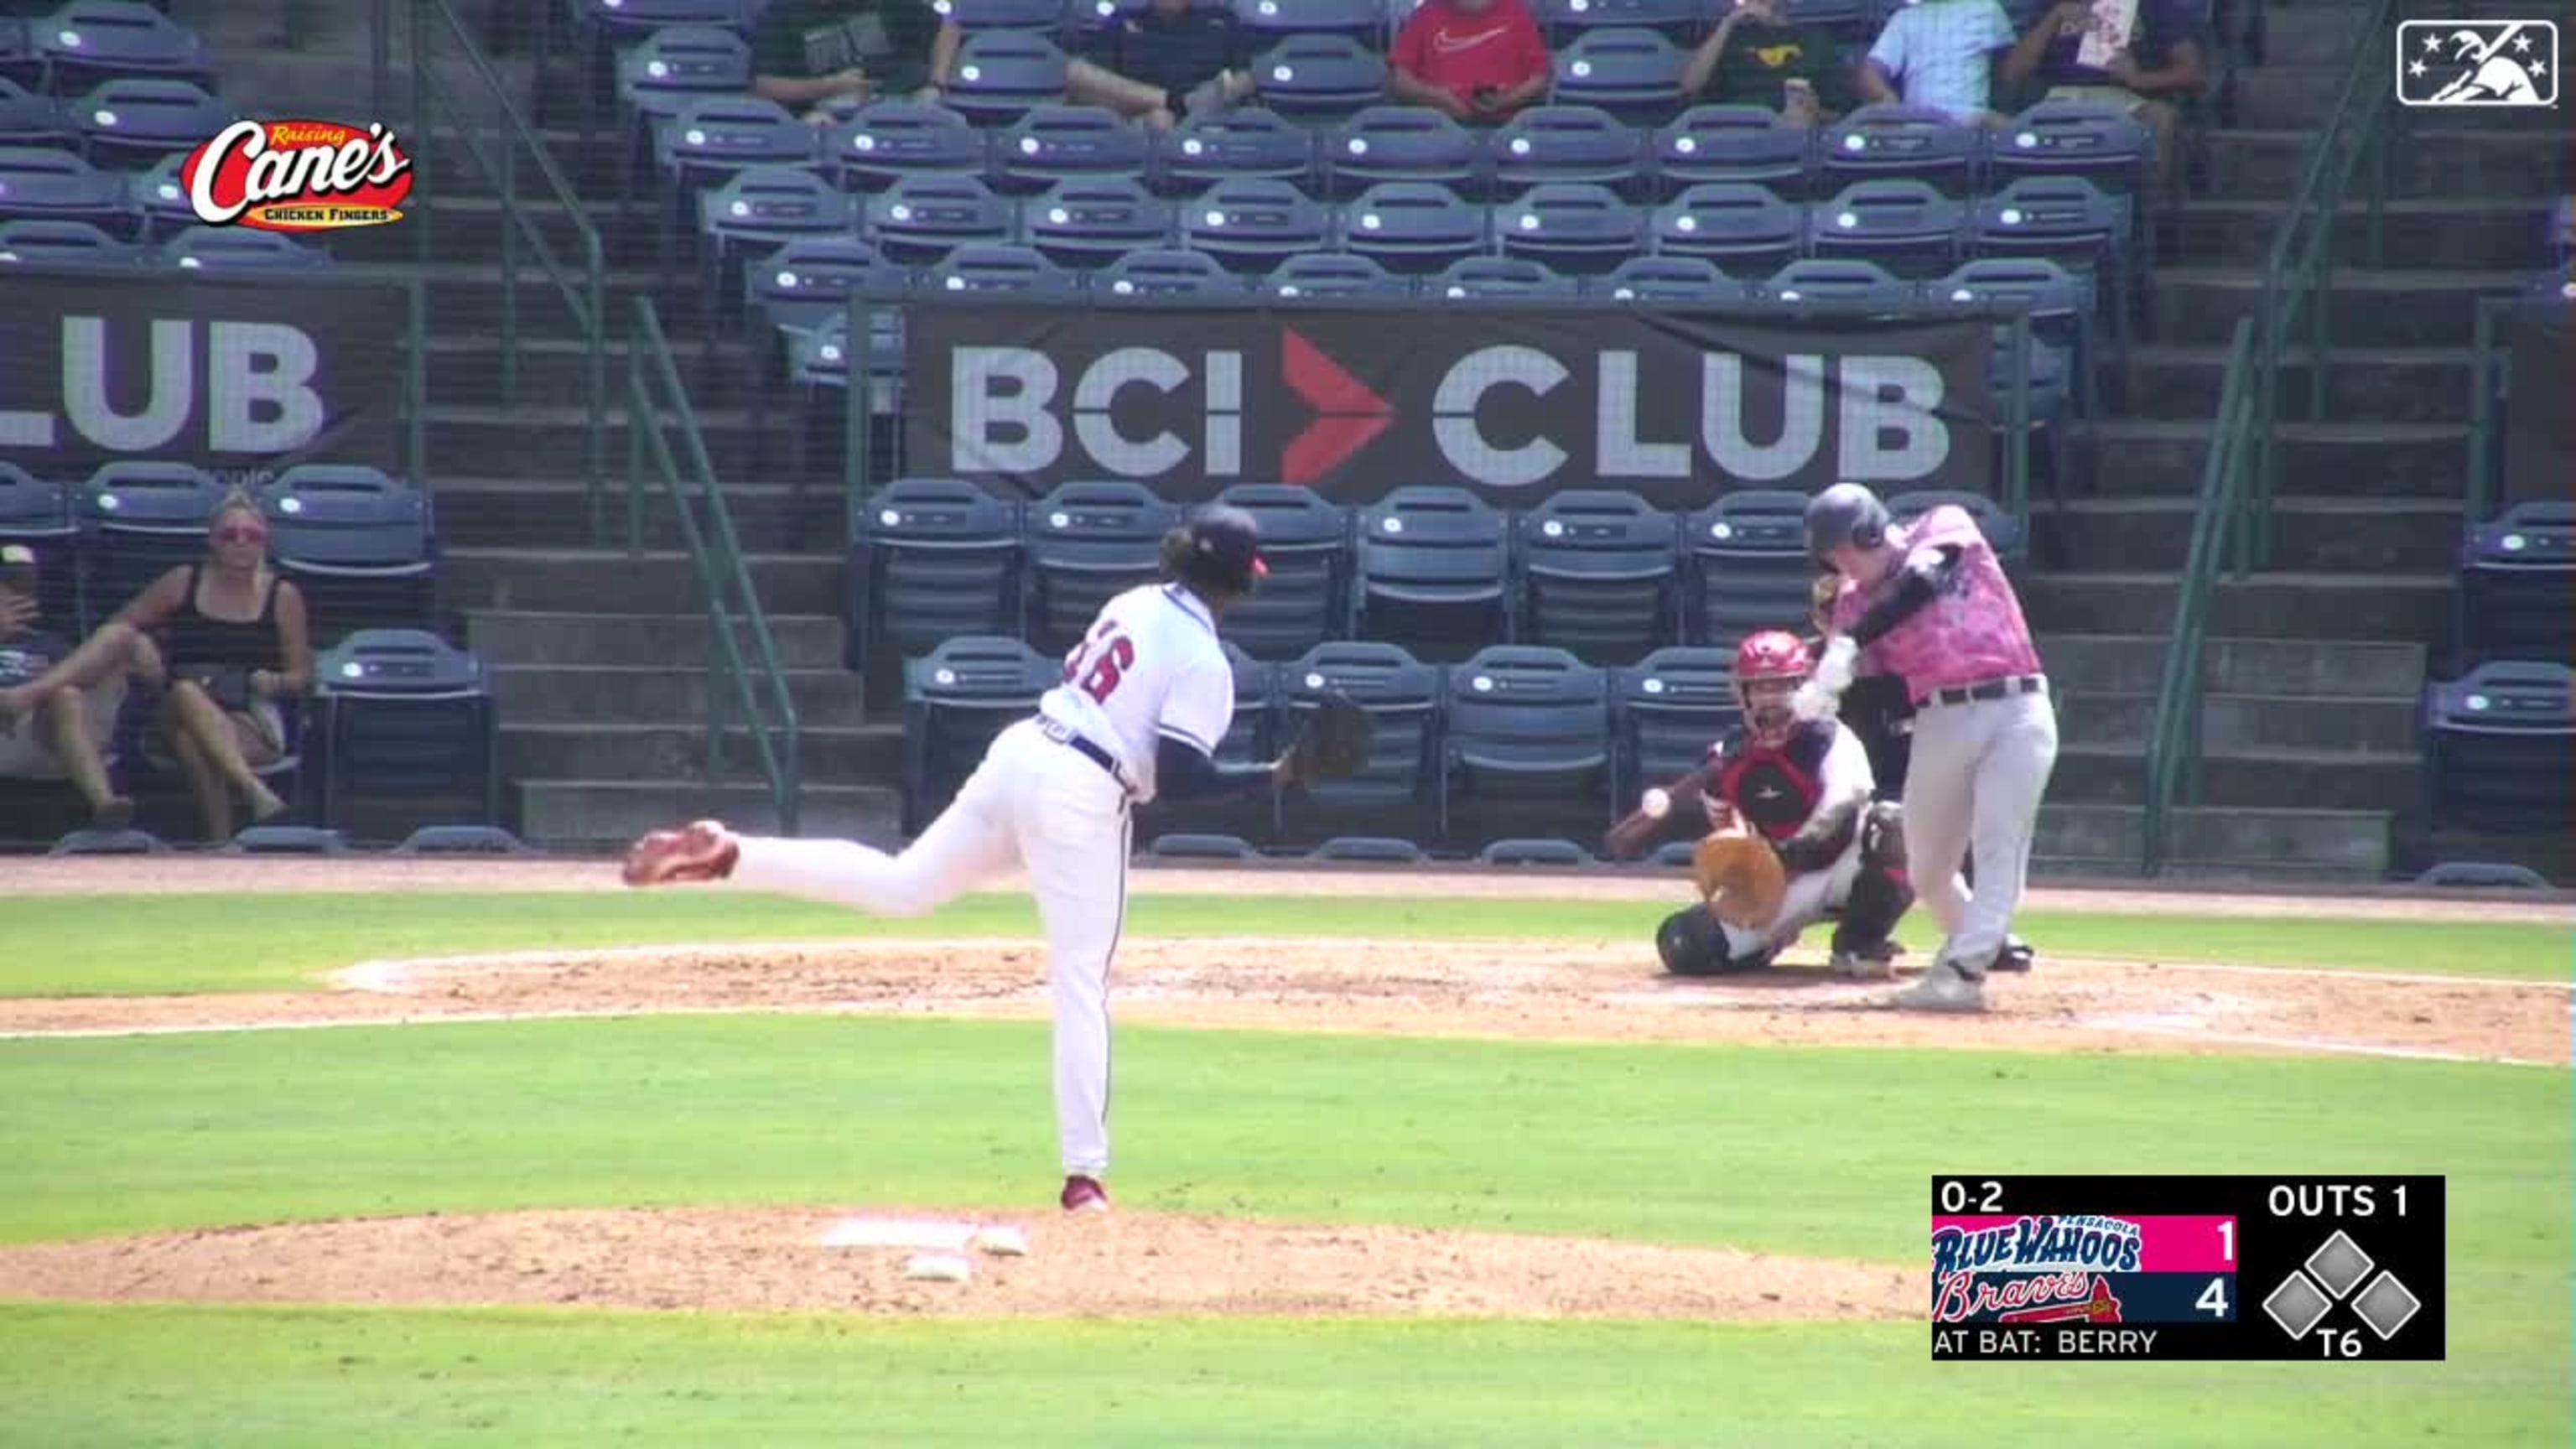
[1472,60]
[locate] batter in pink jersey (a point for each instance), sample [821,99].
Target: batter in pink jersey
[1929,602]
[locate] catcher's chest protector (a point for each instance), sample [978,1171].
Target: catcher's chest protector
[1775,788]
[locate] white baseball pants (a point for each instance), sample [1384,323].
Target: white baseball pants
[1808,899]
[1978,773]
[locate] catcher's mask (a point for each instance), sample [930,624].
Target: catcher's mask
[1217,549]
[1769,667]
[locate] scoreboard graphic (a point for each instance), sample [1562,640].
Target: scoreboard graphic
[2187,1268]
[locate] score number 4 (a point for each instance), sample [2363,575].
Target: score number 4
[2213,1299]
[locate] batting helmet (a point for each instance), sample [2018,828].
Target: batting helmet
[1772,656]
[1217,549]
[1845,513]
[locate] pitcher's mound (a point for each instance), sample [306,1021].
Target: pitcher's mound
[1126,1263]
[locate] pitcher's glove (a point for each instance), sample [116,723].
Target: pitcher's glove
[1741,877]
[1334,744]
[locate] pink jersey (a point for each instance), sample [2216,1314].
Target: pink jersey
[1972,632]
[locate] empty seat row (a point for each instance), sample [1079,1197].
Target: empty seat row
[2517,596]
[47,183]
[122,124]
[2500,748]
[85,43]
[82,245]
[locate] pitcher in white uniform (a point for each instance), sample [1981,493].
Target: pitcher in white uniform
[1146,696]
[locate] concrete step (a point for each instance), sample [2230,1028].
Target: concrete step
[2154,457]
[2348,845]
[2323,534]
[671,693]
[505,512]
[681,640]
[2485,232]
[2248,724]
[582,814]
[2363,384]
[865,755]
[2133,664]
[608,582]
[2405,608]
[2284,97]
[465,297]
[2248,779]
[464,368]
[552,439]
[2391,308]
[467,225]
[2450,160]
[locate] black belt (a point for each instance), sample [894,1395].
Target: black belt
[1990,689]
[1073,739]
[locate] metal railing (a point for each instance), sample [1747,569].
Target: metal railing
[2490,385]
[655,404]
[436,31]
[2173,734]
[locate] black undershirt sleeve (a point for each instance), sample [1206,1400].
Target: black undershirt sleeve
[1183,772]
[1822,839]
[1915,586]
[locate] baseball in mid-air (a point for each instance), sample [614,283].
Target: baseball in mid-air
[1656,803]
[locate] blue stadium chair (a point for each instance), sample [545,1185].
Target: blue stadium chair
[1253,226]
[1842,280]
[1413,228]
[1533,850]
[31,118]
[668,69]
[1200,845]
[67,244]
[1320,78]
[956,698]
[1566,143]
[126,124]
[157,205]
[1573,227]
[2006,534]
[883,142]
[39,513]
[1166,272]
[2562,231]
[1633,74]
[1085,543]
[2518,584]
[1101,12]
[1052,143]
[1745,567]
[1853,22]
[1666,280]
[1305,598]
[2058,363]
[1745,144]
[1402,143]
[1680,20]
[1742,229]
[403,714]
[921,219]
[931,559]
[712,137]
[360,545]
[756,211]
[620,23]
[1434,572]
[234,249]
[1001,74]
[1599,574]
[1335,275]
[2056,138]
[1905,226]
[2545,287]
[982,267]
[2500,749]
[818,361]
[1090,221]
[1247,143]
[1666,710]
[1902,142]
[1526,729]
[1402,697]
[1363,22]
[1477,278]
[810,278]
[90,41]
[1369,850]
[971,16]
[138,521]
[19,62]
[43,183]
[2067,220]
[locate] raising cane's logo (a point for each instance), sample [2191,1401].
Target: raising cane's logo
[2032,1269]
[298,176]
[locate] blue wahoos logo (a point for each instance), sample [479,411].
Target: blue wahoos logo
[2040,1245]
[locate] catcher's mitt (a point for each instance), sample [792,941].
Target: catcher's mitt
[1334,744]
[1741,876]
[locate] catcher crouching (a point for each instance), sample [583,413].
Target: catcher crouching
[1795,836]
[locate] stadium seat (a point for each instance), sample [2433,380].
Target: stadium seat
[956,699]
[2518,584]
[1633,74]
[2006,534]
[1002,74]
[1566,143]
[1748,145]
[1101,12]
[91,41]
[712,137]
[1745,567]
[1085,543]
[1413,228]
[931,559]
[1742,229]
[1402,143]
[32,118]
[401,713]
[2059,365]
[971,16]
[44,183]
[1902,225]
[621,23]
[755,211]
[1368,850]
[2562,231]
[2500,749]
[1679,20]
[157,202]
[1166,272]
[1534,851]
[1599,574]
[1198,845]
[1252,226]
[1667,710]
[1434,572]
[127,124]
[20,65]
[1336,275]
[810,279]
[1402,696]
[39,513]
[1574,228]
[1666,280]
[138,521]
[1086,222]
[1853,22]
[1526,733]
[359,544]
[883,142]
[923,218]
[2064,219]
[2056,138]
[1051,143]
[1505,277]
[72,244]
[661,74]
[1911,143]
[1248,143]
[1304,600]
[236,249]
[1320,79]
[980,267]
[1363,22]
[1835,280]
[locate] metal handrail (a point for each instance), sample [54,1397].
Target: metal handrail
[715,553]
[2490,380]
[2173,735]
[585,291]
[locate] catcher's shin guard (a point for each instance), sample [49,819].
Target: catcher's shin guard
[1881,894]
[1692,943]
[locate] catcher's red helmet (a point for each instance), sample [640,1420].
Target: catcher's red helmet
[1772,656]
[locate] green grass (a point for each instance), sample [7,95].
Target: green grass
[72,945]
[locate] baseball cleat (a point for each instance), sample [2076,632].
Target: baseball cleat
[2016,955]
[1943,988]
[1083,1195]
[703,851]
[1863,966]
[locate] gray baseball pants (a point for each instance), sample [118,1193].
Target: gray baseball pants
[1978,772]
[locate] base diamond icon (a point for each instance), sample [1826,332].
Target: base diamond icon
[2340,1265]
[2386,1306]
[2297,1305]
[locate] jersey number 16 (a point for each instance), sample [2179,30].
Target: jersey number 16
[1108,656]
